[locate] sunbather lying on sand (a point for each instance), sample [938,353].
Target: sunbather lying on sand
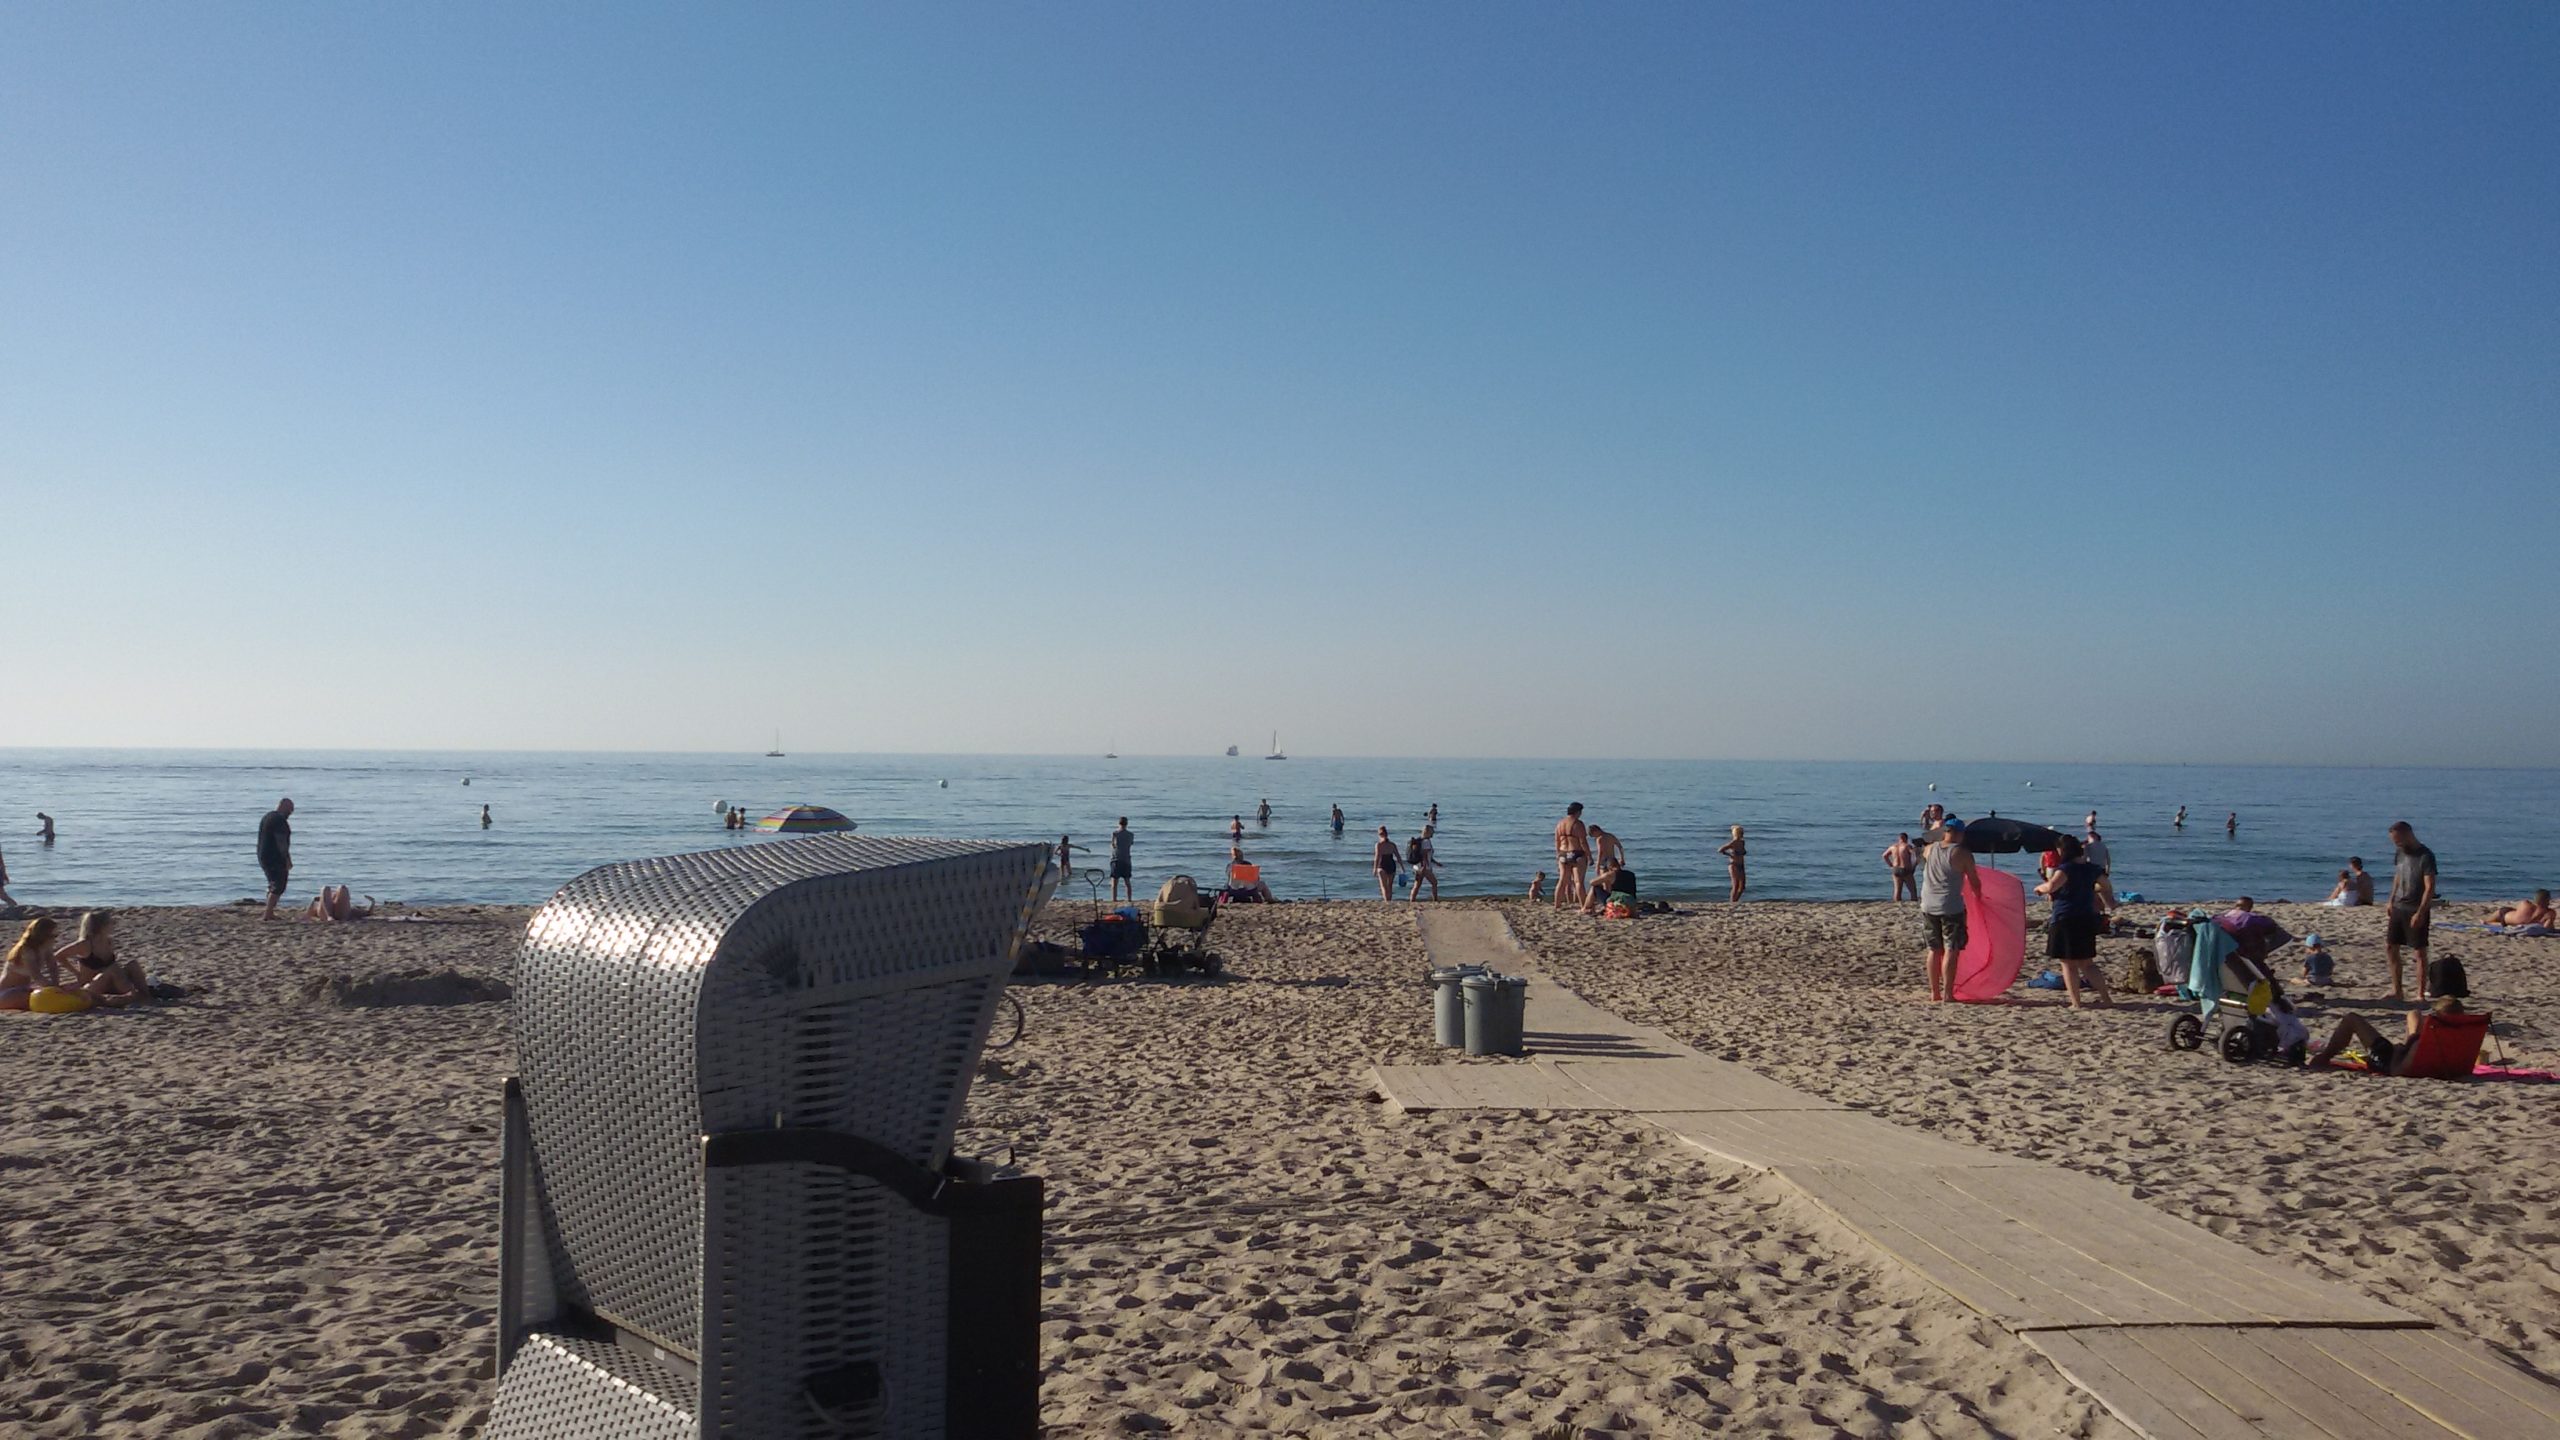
[2386,1057]
[338,902]
[2536,911]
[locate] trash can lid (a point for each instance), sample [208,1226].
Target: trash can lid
[1457,972]
[1516,982]
[1482,980]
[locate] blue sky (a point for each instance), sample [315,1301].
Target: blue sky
[2136,383]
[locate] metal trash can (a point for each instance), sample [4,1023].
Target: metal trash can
[1449,1005]
[1496,1005]
[729,1206]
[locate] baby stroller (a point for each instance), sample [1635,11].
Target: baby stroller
[2233,989]
[1180,940]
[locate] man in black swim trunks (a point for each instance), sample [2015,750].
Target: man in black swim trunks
[275,851]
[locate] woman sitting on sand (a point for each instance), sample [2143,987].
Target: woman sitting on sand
[2536,911]
[2383,1057]
[103,975]
[2343,893]
[30,964]
[338,902]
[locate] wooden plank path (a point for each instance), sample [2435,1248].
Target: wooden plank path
[2180,1334]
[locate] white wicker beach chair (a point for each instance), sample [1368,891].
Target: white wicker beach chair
[729,1204]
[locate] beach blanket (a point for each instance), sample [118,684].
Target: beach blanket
[1995,946]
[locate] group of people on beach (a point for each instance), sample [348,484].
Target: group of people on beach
[83,972]
[1418,858]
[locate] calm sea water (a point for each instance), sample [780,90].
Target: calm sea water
[166,827]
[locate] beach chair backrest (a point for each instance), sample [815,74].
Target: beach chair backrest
[832,985]
[2448,1046]
[1244,877]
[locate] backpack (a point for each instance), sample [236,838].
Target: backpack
[1413,851]
[2141,972]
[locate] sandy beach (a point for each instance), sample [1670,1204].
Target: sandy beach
[271,1209]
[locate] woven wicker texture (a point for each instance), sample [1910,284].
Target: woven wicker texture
[836,982]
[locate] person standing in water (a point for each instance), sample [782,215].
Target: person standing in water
[1121,871]
[2231,825]
[1235,830]
[1337,819]
[1946,868]
[44,827]
[485,822]
[275,851]
[1263,815]
[1902,858]
[1732,852]
[2181,822]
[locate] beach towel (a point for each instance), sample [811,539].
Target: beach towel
[1995,946]
[2214,947]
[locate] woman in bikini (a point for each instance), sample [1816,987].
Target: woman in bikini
[30,964]
[1732,851]
[102,975]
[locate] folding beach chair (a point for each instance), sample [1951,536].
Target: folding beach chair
[729,1206]
[2448,1046]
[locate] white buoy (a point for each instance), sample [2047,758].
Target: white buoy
[944,784]
[1933,785]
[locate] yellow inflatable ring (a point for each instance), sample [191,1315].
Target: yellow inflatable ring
[48,1000]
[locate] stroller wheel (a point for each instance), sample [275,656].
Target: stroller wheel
[2186,1032]
[2235,1045]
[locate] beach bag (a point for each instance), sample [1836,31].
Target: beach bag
[1620,908]
[2049,980]
[2141,972]
[1181,892]
[1413,852]
[2175,948]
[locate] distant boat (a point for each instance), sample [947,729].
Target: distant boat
[1231,754]
[1114,752]
[776,752]
[1275,748]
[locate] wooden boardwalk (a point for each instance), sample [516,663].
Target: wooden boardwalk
[2180,1334]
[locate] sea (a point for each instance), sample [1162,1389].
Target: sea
[163,827]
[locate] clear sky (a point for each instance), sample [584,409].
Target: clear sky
[2045,382]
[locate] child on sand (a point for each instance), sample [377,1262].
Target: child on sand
[2317,967]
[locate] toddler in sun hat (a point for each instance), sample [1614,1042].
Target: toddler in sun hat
[2317,967]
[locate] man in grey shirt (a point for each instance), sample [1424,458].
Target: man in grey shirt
[2094,850]
[1946,868]
[2413,893]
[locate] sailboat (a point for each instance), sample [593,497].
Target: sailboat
[776,752]
[1275,748]
[1231,754]
[1114,752]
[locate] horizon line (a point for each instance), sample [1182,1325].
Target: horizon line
[1214,755]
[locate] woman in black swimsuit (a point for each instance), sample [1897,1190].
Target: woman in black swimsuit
[1384,859]
[1731,850]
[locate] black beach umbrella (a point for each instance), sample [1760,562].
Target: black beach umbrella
[1998,835]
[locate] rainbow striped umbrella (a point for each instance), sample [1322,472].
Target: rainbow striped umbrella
[804,820]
